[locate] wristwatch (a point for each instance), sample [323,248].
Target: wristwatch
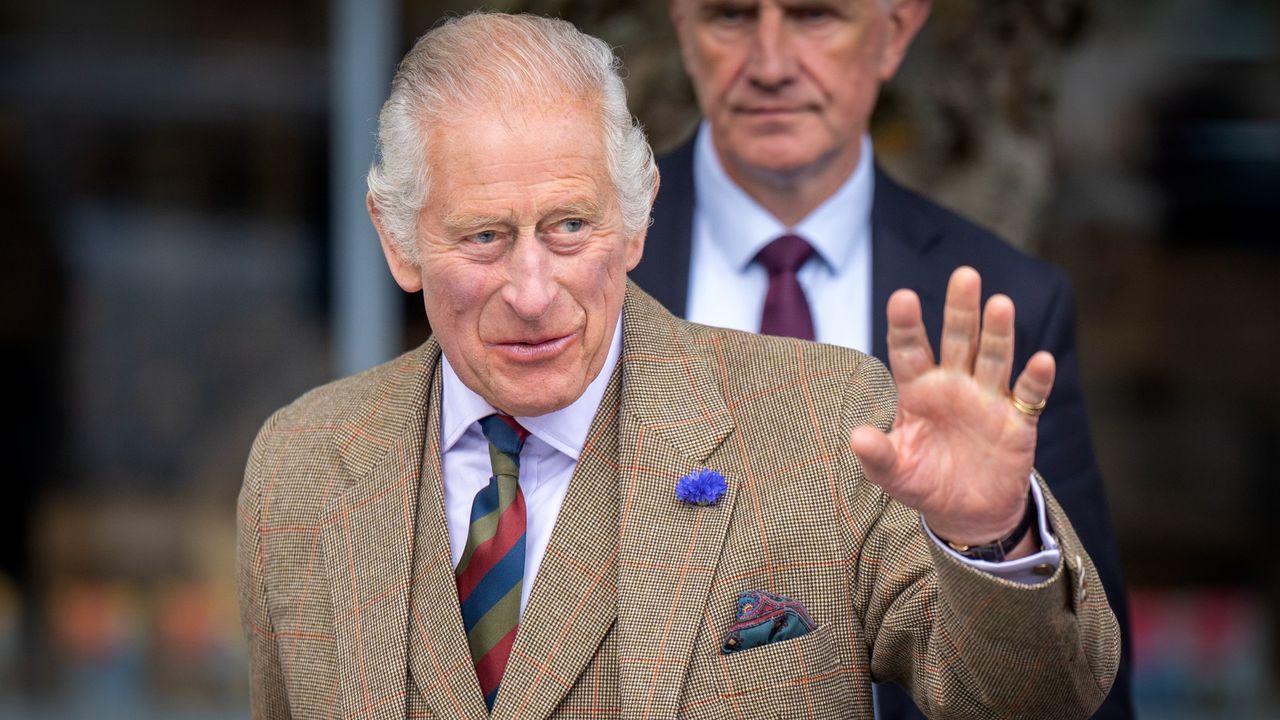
[997,550]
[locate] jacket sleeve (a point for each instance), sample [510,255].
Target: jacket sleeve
[965,643]
[268,697]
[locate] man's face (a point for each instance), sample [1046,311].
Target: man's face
[788,86]
[523,261]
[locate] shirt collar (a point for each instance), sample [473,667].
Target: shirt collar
[741,227]
[565,429]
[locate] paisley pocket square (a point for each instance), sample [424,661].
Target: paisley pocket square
[764,618]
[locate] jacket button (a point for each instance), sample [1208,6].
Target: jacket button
[1044,569]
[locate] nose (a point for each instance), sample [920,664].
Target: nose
[771,64]
[531,285]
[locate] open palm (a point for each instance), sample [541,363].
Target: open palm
[959,451]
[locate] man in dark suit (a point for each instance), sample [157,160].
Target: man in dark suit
[781,171]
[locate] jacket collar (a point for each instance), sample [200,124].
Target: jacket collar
[367,532]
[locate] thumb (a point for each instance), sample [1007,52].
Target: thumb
[876,452]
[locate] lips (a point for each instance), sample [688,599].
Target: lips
[774,106]
[529,350]
[771,110]
[773,117]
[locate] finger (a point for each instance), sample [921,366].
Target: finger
[909,351]
[994,364]
[1036,380]
[877,454]
[960,320]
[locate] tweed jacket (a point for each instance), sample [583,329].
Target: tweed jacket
[350,608]
[916,244]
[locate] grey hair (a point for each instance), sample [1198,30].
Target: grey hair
[486,58]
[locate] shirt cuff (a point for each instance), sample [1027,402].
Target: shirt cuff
[1030,570]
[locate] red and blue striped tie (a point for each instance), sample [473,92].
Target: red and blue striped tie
[491,571]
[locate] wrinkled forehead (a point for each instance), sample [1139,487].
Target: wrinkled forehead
[512,99]
[530,160]
[484,123]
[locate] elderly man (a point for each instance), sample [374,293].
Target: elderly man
[775,218]
[569,503]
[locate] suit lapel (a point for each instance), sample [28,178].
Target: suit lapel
[574,599]
[673,418]
[439,659]
[900,243]
[367,538]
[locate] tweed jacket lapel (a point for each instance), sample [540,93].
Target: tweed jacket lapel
[439,659]
[574,599]
[571,608]
[673,418]
[367,538]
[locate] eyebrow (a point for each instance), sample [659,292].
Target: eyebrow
[586,209]
[461,221]
[456,222]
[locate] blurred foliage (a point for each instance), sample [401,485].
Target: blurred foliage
[969,118]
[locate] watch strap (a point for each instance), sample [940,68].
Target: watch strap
[998,550]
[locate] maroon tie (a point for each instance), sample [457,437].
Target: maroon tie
[786,311]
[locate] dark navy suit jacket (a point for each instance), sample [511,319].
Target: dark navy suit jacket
[916,244]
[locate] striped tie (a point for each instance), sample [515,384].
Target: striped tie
[492,567]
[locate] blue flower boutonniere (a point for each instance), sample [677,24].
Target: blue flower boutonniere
[701,487]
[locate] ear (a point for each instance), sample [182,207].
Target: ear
[635,248]
[635,245]
[405,272]
[906,17]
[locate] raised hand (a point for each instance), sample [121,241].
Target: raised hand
[961,449]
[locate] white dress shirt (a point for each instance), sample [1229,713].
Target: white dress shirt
[546,461]
[727,289]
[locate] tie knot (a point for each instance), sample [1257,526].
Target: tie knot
[784,255]
[504,433]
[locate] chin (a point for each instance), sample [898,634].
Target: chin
[777,155]
[533,406]
[777,167]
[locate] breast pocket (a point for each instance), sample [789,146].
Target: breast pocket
[800,678]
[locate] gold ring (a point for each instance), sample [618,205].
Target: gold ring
[1027,408]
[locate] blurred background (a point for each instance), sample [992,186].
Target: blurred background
[185,249]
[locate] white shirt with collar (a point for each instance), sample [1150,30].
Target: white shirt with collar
[547,459]
[727,289]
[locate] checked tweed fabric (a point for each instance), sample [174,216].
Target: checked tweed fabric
[350,603]
[491,571]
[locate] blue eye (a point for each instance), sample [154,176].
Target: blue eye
[573,225]
[484,237]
